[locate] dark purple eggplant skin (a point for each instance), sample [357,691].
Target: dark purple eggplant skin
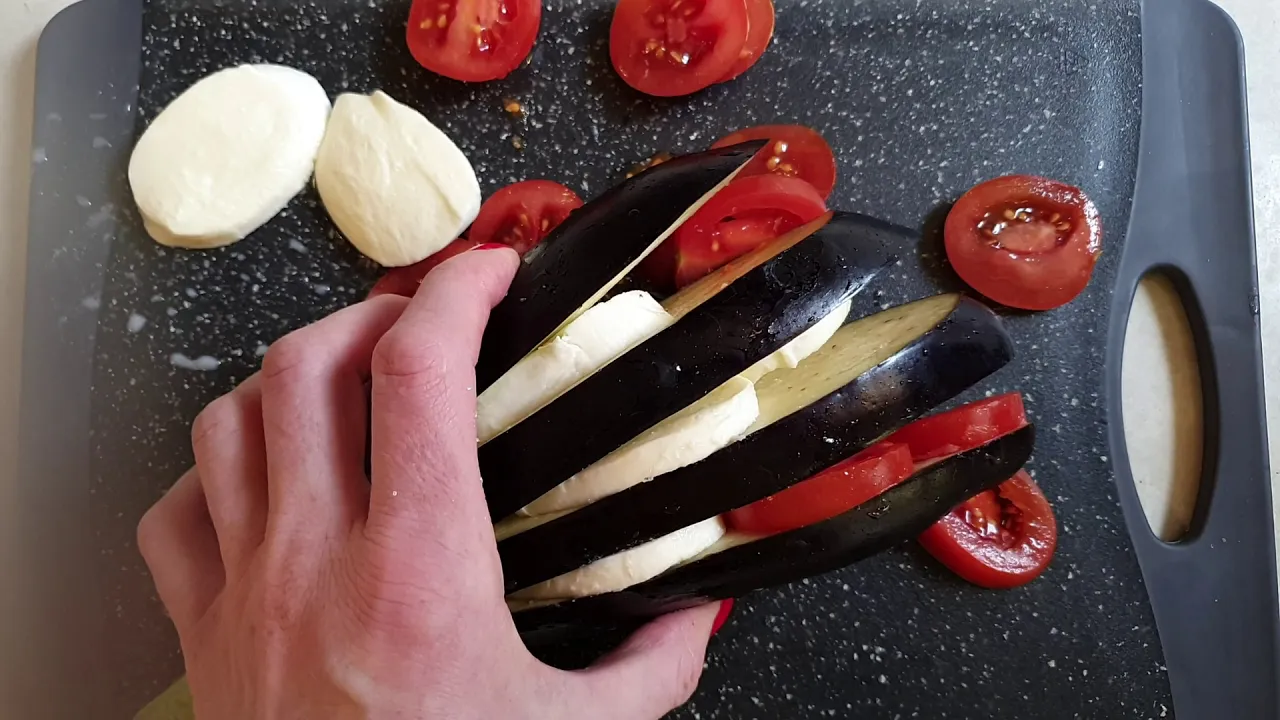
[755,315]
[595,243]
[967,346]
[898,515]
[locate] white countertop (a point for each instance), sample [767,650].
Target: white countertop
[1157,389]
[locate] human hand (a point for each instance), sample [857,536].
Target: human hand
[301,589]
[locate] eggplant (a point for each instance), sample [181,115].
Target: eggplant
[595,247]
[874,376]
[732,326]
[897,515]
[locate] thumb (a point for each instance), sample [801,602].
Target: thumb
[655,671]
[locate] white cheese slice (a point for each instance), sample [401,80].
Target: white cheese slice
[716,421]
[630,567]
[394,184]
[590,342]
[228,154]
[803,345]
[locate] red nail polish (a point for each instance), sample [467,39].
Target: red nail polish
[489,246]
[722,617]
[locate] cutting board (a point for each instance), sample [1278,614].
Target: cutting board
[1142,107]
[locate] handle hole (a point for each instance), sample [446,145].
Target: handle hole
[1163,405]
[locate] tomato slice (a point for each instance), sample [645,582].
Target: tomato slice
[962,429]
[760,19]
[796,151]
[405,280]
[676,47]
[735,221]
[835,490]
[522,214]
[1024,241]
[473,40]
[1000,539]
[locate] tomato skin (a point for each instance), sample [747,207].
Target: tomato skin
[1013,550]
[668,48]
[962,429]
[405,280]
[796,151]
[1024,241]
[837,489]
[760,22]
[507,32]
[522,214]
[722,616]
[735,221]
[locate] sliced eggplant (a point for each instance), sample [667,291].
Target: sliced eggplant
[762,309]
[874,376]
[595,247]
[899,514]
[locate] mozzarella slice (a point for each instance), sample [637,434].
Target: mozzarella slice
[228,154]
[716,421]
[630,567]
[590,342]
[803,345]
[394,184]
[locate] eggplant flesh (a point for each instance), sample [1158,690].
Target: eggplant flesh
[759,312]
[876,375]
[895,516]
[595,247]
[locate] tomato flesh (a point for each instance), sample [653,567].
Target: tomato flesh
[522,214]
[405,280]
[1000,539]
[831,492]
[473,40]
[676,47]
[962,429]
[760,21]
[738,219]
[795,151]
[1024,241]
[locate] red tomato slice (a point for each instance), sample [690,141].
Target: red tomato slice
[405,280]
[735,221]
[1025,241]
[796,151]
[835,490]
[965,428]
[760,18]
[676,47]
[521,215]
[473,40]
[1000,539]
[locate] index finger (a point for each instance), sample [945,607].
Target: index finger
[426,479]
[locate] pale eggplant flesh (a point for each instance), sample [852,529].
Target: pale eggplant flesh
[756,314]
[595,247]
[896,516]
[955,343]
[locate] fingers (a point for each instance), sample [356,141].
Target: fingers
[178,543]
[655,671]
[426,481]
[315,415]
[231,456]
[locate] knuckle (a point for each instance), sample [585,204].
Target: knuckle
[151,532]
[217,418]
[288,355]
[400,354]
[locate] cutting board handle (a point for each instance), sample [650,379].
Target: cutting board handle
[1213,592]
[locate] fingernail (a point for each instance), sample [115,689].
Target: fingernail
[722,617]
[489,246]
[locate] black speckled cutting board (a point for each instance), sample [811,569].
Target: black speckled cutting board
[919,99]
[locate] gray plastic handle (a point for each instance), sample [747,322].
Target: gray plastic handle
[1213,593]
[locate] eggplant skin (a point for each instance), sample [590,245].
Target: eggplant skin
[965,347]
[899,514]
[758,313]
[592,247]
